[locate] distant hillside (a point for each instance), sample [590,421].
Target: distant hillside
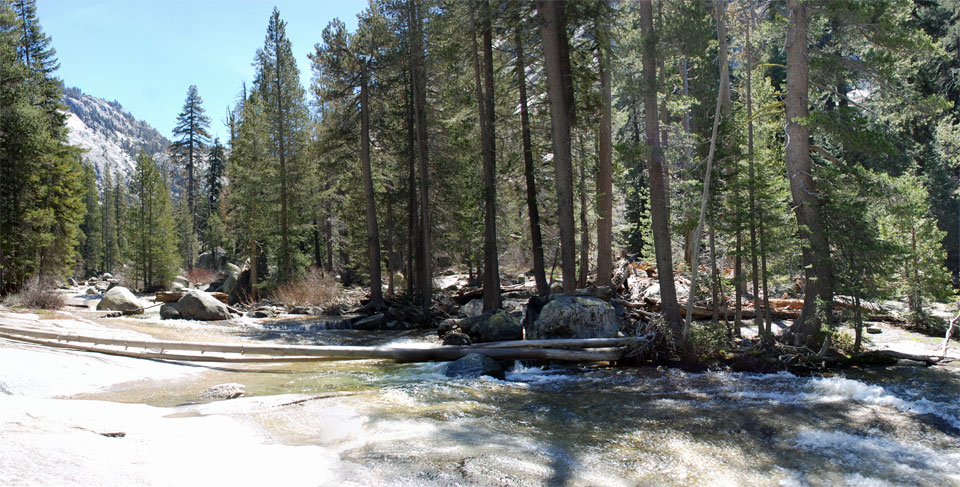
[112,136]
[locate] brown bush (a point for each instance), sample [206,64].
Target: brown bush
[200,277]
[38,296]
[315,289]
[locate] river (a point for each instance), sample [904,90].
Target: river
[408,424]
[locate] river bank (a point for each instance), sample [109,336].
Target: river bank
[375,423]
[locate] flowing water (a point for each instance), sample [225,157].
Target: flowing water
[408,424]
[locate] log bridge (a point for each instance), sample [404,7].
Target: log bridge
[570,350]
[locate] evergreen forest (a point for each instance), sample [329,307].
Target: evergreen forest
[737,149]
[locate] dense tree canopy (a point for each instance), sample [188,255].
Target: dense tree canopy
[776,145]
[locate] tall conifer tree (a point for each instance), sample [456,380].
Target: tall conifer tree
[191,133]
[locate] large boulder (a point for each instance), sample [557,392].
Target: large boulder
[570,317]
[492,326]
[209,260]
[233,272]
[241,290]
[199,305]
[457,339]
[120,299]
[447,326]
[473,308]
[474,365]
[374,322]
[169,311]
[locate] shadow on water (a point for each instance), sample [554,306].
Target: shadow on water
[644,427]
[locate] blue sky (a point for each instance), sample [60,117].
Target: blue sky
[146,53]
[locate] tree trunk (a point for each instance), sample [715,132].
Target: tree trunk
[716,295]
[738,286]
[816,254]
[491,265]
[391,251]
[328,233]
[604,165]
[698,231]
[751,186]
[191,191]
[253,270]
[373,232]
[915,301]
[859,323]
[658,194]
[767,319]
[584,223]
[425,278]
[412,247]
[317,259]
[535,236]
[285,269]
[560,93]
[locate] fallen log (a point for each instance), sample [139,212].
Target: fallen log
[747,313]
[886,357]
[174,296]
[585,343]
[298,353]
[167,296]
[464,297]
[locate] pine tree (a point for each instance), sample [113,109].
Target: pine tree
[108,219]
[41,185]
[246,193]
[91,250]
[659,197]
[278,82]
[533,211]
[191,137]
[216,171]
[562,113]
[152,248]
[908,223]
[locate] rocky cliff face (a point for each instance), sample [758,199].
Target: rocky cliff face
[112,136]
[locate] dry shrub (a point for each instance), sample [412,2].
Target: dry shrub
[38,296]
[200,277]
[315,289]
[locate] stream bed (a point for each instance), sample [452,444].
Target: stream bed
[408,424]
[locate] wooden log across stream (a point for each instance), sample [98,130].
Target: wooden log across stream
[586,350]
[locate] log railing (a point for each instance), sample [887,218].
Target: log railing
[583,350]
